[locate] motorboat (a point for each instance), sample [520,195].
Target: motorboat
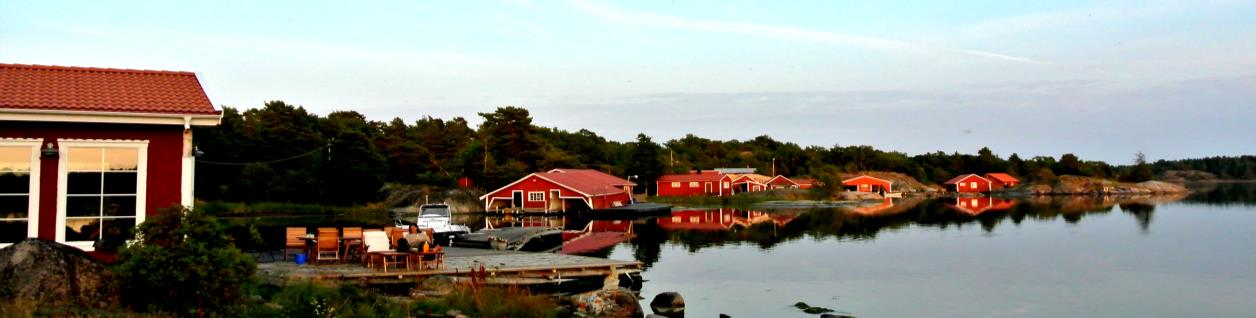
[436,217]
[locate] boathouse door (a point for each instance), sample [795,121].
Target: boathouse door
[516,199]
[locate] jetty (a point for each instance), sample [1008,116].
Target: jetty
[493,266]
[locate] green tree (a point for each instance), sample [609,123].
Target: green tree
[646,162]
[1142,170]
[183,263]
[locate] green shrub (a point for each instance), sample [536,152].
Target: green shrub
[183,263]
[319,299]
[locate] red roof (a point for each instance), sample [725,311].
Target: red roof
[41,87]
[1002,177]
[779,179]
[587,181]
[962,177]
[711,176]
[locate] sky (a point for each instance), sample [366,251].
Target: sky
[1101,79]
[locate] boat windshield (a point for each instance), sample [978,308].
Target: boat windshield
[434,211]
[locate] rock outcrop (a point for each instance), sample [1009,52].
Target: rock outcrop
[901,182]
[1075,185]
[668,304]
[614,303]
[47,274]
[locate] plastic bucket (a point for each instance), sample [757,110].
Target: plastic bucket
[300,258]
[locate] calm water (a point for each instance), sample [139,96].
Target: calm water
[1046,257]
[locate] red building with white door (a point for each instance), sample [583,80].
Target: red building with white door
[695,183]
[561,190]
[968,183]
[87,153]
[867,183]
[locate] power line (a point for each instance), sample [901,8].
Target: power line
[307,153]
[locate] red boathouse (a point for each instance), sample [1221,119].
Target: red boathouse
[87,153]
[695,183]
[968,183]
[560,190]
[867,183]
[1002,180]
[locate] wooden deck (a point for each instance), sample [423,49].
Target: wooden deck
[501,267]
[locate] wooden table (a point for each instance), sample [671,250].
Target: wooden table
[437,258]
[391,258]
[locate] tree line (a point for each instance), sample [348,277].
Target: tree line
[283,153]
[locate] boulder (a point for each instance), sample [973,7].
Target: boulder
[47,274]
[608,303]
[1162,187]
[668,304]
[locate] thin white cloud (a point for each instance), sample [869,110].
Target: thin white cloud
[1093,14]
[779,32]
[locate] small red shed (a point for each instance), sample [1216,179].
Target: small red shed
[88,153]
[866,183]
[560,190]
[1002,180]
[781,182]
[968,183]
[804,183]
[695,183]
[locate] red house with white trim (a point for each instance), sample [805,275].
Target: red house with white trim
[781,182]
[968,183]
[695,183]
[87,153]
[1002,180]
[866,183]
[561,190]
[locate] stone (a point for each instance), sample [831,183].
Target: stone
[439,285]
[47,274]
[618,302]
[669,304]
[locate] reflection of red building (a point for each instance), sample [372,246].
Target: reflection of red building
[979,205]
[968,183]
[1002,180]
[598,235]
[866,183]
[720,219]
[874,209]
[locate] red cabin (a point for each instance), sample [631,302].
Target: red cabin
[88,153]
[560,190]
[969,183]
[781,182]
[695,183]
[805,183]
[1002,180]
[867,183]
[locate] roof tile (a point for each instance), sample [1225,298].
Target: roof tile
[43,87]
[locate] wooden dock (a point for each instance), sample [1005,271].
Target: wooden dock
[500,267]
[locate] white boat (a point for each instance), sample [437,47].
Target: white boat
[431,216]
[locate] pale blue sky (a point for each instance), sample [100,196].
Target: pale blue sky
[1102,79]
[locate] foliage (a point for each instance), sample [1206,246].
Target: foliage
[322,299]
[183,263]
[1232,168]
[484,301]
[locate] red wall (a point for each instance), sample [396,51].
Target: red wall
[665,189]
[534,183]
[982,185]
[868,181]
[165,147]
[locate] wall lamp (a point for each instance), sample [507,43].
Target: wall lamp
[49,152]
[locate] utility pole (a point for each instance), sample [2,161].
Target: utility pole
[773,166]
[671,161]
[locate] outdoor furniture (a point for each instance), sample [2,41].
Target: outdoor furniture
[396,259]
[395,235]
[434,258]
[388,230]
[328,244]
[351,239]
[292,240]
[374,241]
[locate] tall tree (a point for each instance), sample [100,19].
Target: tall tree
[645,162]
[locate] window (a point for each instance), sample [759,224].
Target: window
[675,184]
[536,196]
[726,184]
[19,190]
[972,185]
[693,184]
[102,192]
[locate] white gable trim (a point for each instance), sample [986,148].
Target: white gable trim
[78,116]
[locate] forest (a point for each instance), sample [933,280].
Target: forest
[284,153]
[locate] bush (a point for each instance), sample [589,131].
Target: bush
[182,262]
[482,301]
[319,299]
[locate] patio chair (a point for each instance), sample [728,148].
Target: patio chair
[352,239]
[292,240]
[374,241]
[328,246]
[394,235]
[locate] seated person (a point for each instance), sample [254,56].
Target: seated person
[417,238]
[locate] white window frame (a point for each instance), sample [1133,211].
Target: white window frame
[32,205]
[726,185]
[693,184]
[972,185]
[539,196]
[675,184]
[63,170]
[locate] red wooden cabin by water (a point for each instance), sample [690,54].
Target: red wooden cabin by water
[86,153]
[1002,180]
[867,183]
[561,190]
[968,183]
[695,183]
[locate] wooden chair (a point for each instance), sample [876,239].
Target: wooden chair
[394,235]
[352,239]
[292,240]
[328,244]
[374,241]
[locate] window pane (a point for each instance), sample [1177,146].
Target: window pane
[15,182]
[82,206]
[14,206]
[119,206]
[126,159]
[82,229]
[83,183]
[85,159]
[120,182]
[12,231]
[15,158]
[117,230]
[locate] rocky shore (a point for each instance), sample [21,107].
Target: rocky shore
[1077,185]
